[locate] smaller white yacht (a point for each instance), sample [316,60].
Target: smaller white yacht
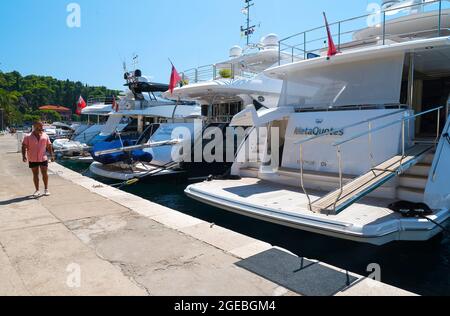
[76,147]
[156,120]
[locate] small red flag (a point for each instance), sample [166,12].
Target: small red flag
[115,105]
[174,79]
[80,105]
[331,47]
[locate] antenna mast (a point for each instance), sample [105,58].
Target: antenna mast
[135,61]
[250,29]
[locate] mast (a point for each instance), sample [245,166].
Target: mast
[249,29]
[135,61]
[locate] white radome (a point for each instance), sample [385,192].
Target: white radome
[236,51]
[270,41]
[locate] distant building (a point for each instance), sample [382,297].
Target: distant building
[66,113]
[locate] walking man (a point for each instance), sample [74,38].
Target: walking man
[34,151]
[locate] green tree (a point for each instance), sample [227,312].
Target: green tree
[11,115]
[49,116]
[24,95]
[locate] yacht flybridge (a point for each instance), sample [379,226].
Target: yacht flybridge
[358,147]
[225,88]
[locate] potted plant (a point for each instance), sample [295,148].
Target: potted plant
[225,73]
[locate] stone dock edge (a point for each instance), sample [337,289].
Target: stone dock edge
[233,243]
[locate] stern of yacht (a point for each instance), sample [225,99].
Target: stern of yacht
[369,221]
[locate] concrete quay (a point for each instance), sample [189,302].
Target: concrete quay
[91,239]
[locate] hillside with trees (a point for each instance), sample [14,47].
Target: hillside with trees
[21,96]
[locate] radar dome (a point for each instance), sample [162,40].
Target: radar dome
[235,51]
[270,41]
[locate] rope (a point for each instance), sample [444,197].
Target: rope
[411,210]
[447,137]
[435,223]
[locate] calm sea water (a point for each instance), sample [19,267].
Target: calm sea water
[419,267]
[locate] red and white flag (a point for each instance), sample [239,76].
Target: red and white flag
[331,47]
[174,79]
[115,105]
[81,104]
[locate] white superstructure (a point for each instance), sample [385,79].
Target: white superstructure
[225,88]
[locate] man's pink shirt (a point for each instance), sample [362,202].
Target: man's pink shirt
[37,148]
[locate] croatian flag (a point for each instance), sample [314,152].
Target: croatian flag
[174,79]
[80,105]
[331,47]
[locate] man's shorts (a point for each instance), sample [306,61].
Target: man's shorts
[38,164]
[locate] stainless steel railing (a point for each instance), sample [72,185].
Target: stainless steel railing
[370,132]
[402,121]
[102,100]
[313,138]
[439,154]
[312,41]
[206,73]
[214,72]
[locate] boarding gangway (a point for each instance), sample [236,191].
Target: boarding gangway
[350,193]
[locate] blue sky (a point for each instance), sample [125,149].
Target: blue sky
[35,38]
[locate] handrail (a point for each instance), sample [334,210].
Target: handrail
[338,145]
[100,100]
[408,118]
[383,13]
[349,126]
[445,134]
[364,16]
[339,155]
[208,72]
[371,130]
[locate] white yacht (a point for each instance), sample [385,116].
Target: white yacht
[225,89]
[358,147]
[156,120]
[77,146]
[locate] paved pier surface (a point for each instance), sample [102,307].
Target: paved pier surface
[91,239]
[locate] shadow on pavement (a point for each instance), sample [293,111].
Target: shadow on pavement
[17,200]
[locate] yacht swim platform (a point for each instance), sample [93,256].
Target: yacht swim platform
[370,220]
